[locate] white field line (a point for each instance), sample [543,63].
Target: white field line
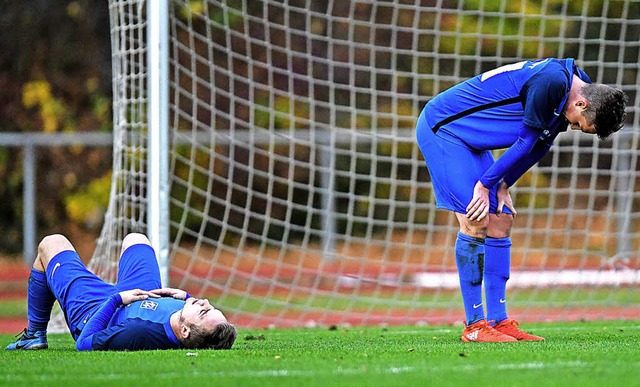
[524,279]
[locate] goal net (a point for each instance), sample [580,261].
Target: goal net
[298,196]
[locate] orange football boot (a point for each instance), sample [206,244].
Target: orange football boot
[482,332]
[510,327]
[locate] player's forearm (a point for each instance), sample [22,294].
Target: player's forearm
[511,158]
[538,152]
[97,322]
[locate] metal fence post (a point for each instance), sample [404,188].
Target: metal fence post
[29,202]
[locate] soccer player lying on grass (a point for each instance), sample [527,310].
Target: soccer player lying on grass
[520,107]
[134,314]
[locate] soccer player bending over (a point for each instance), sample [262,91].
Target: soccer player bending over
[134,314]
[521,107]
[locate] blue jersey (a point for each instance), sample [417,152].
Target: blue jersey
[93,308]
[139,325]
[529,93]
[517,106]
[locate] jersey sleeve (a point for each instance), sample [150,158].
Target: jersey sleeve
[514,155]
[98,322]
[131,335]
[539,150]
[541,95]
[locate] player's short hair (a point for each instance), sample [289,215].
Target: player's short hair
[605,108]
[221,337]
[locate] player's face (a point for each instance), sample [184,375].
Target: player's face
[577,120]
[201,312]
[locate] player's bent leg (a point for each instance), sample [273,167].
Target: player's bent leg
[49,247]
[134,239]
[138,268]
[40,299]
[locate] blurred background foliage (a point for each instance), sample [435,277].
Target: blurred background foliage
[55,76]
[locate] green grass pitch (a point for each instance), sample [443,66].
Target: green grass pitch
[578,354]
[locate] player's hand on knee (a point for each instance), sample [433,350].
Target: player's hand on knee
[478,208]
[129,296]
[178,294]
[504,200]
[509,205]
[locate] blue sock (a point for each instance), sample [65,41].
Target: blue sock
[470,262]
[497,268]
[39,301]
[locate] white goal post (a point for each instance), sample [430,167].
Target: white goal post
[296,194]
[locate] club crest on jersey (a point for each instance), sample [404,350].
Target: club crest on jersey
[151,305]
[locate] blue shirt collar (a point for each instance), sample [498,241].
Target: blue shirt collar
[571,67]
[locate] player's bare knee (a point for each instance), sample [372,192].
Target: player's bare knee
[134,239]
[500,226]
[476,229]
[49,247]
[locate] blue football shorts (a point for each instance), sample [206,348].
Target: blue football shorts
[80,292]
[454,168]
